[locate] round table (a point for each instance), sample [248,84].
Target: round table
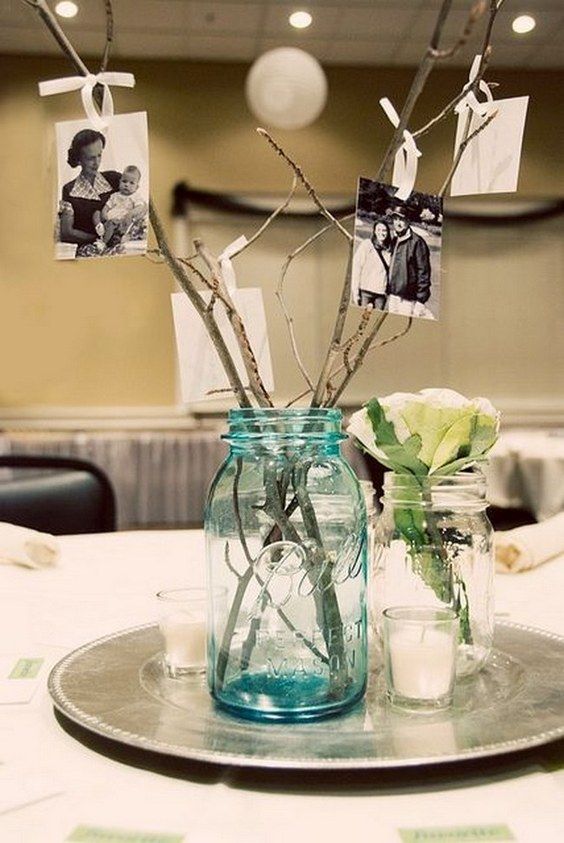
[107,582]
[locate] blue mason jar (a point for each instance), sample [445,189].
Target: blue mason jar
[286,540]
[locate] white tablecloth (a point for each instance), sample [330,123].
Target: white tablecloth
[106,582]
[526,469]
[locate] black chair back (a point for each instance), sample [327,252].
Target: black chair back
[57,495]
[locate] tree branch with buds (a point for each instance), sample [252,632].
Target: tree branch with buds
[342,356]
[432,55]
[109,35]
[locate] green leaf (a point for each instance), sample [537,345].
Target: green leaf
[457,438]
[399,456]
[432,423]
[483,437]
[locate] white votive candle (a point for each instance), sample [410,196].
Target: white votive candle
[182,622]
[421,663]
[184,639]
[420,646]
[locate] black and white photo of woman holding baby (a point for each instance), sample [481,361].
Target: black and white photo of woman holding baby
[103,188]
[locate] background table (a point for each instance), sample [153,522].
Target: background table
[160,477]
[526,470]
[106,582]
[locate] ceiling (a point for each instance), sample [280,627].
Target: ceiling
[378,32]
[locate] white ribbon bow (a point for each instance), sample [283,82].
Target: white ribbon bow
[481,109]
[227,269]
[405,162]
[86,85]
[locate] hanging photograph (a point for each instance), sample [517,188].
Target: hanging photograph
[103,188]
[397,251]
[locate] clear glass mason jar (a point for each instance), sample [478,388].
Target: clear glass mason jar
[434,548]
[286,536]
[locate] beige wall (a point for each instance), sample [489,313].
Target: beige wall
[99,333]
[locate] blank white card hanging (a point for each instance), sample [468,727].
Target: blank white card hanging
[201,374]
[490,163]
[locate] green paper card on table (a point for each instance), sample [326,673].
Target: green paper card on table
[26,669]
[100,834]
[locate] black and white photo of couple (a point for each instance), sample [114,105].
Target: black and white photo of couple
[396,261]
[102,210]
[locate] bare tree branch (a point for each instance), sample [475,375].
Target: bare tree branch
[461,148]
[358,360]
[426,65]
[282,300]
[394,337]
[306,183]
[52,24]
[324,391]
[217,294]
[335,342]
[303,246]
[295,400]
[292,334]
[373,347]
[249,360]
[109,35]
[172,262]
[476,13]
[454,102]
[227,560]
[357,336]
[154,256]
[495,6]
[279,210]
[225,391]
[430,58]
[339,324]
[370,348]
[182,277]
[221,292]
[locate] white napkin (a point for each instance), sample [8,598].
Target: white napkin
[30,548]
[526,547]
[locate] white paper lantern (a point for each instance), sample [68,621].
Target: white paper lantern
[286,88]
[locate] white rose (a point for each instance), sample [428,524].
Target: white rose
[435,431]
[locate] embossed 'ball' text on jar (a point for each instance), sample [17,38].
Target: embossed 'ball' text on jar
[433,547]
[286,536]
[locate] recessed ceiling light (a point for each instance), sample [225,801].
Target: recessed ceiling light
[66,9]
[300,20]
[523,24]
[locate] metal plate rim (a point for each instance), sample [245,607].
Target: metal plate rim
[90,723]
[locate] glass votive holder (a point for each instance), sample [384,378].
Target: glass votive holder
[182,621]
[420,646]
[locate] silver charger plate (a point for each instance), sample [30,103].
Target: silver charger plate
[115,687]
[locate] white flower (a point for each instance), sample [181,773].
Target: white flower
[435,431]
[486,407]
[440,398]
